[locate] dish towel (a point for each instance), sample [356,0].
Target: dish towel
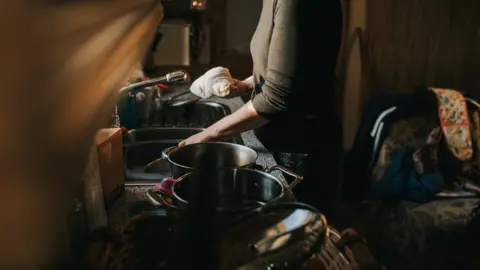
[215,82]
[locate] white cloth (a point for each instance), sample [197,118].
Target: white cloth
[215,82]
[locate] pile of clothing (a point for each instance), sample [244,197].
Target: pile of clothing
[415,164]
[417,147]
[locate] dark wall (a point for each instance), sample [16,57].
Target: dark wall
[415,42]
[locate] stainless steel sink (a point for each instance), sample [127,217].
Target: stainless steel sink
[137,156]
[172,135]
[198,115]
[142,146]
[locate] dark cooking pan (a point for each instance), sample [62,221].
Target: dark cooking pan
[227,155]
[237,190]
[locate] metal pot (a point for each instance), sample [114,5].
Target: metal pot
[238,189]
[161,166]
[277,236]
[228,155]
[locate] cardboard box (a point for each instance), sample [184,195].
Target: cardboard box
[110,160]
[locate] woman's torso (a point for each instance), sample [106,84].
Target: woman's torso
[314,109]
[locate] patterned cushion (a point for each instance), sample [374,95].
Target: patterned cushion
[419,236]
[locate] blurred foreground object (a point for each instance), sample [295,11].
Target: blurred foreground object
[63,63]
[103,177]
[109,147]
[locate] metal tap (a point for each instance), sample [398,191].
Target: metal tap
[176,77]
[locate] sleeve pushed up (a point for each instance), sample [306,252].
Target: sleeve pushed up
[277,93]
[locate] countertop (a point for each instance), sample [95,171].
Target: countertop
[134,200]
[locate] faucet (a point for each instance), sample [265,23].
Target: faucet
[176,77]
[151,101]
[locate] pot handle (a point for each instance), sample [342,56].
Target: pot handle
[166,152]
[161,194]
[158,200]
[166,201]
[297,178]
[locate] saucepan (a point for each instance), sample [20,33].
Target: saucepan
[237,189]
[227,155]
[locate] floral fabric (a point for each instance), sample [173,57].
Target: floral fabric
[454,119]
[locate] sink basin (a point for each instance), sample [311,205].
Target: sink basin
[198,115]
[139,155]
[170,135]
[167,135]
[145,145]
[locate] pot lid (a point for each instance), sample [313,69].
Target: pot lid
[279,237]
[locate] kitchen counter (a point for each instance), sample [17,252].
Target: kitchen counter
[134,200]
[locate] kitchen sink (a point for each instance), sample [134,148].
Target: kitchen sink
[142,146]
[138,156]
[197,115]
[168,127]
[172,135]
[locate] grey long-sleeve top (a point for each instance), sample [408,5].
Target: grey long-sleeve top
[282,45]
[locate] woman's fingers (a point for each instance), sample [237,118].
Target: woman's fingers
[204,136]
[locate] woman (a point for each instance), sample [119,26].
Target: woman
[294,51]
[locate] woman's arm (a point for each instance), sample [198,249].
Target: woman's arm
[241,88]
[276,95]
[278,91]
[249,81]
[245,118]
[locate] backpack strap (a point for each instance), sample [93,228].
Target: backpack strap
[455,123]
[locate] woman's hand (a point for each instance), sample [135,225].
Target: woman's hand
[243,119]
[204,136]
[240,88]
